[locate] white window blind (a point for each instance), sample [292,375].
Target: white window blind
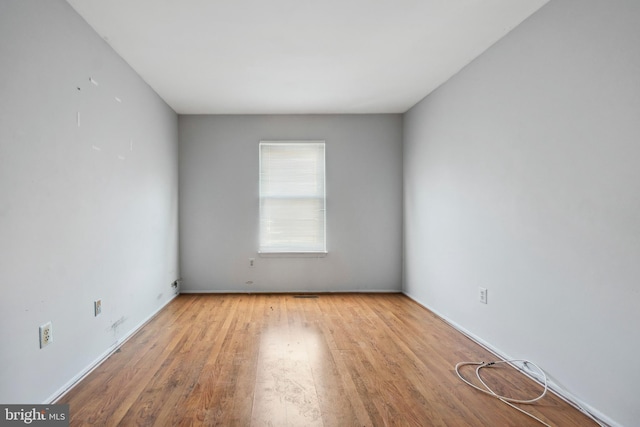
[292,197]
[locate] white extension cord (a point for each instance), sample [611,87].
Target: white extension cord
[509,401]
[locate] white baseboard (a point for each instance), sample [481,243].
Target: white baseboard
[104,356]
[553,386]
[294,291]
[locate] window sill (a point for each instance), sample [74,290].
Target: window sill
[293,254]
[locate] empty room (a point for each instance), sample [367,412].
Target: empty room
[331,213]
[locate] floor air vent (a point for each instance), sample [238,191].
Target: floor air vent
[305,296]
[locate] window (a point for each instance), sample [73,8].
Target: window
[292,197]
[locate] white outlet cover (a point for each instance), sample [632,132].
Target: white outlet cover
[46,334]
[482,295]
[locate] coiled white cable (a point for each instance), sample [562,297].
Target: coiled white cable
[509,401]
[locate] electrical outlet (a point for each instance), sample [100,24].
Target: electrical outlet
[46,335]
[251,262]
[482,295]
[97,307]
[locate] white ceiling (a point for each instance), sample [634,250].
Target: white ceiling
[300,56]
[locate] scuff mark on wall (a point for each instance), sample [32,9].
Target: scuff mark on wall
[115,325]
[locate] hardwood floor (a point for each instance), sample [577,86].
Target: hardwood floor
[278,360]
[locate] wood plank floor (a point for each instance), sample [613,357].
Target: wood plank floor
[277,360]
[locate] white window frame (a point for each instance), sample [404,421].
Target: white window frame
[267,246]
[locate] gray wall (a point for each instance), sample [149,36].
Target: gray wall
[219,204]
[82,216]
[522,176]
